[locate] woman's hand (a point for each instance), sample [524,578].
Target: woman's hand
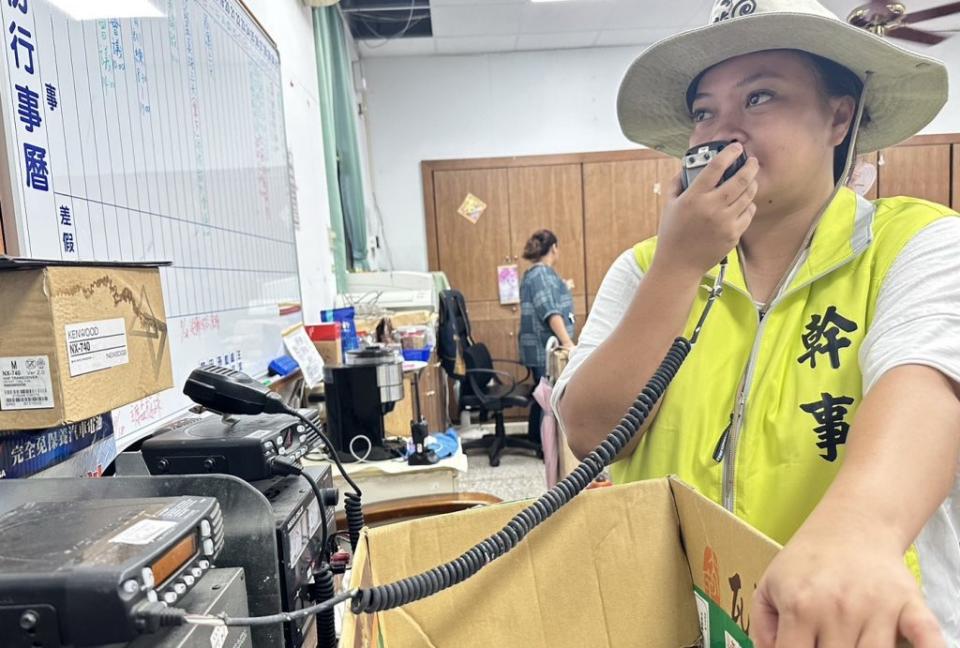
[841,587]
[702,224]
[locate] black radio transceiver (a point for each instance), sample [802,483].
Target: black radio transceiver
[240,445]
[81,573]
[297,519]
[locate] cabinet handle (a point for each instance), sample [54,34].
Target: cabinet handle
[510,333]
[506,259]
[514,309]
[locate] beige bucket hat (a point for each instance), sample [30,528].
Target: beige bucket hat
[905,91]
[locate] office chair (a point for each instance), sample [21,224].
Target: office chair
[491,391]
[482,387]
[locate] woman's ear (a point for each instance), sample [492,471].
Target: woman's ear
[843,110]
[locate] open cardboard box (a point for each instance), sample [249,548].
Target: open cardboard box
[649,564]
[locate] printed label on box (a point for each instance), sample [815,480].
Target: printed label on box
[143,532]
[25,383]
[703,611]
[718,628]
[92,346]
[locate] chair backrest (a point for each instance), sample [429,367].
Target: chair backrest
[453,332]
[477,356]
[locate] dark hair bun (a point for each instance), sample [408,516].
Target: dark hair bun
[539,245]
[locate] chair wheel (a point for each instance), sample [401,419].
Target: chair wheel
[495,462]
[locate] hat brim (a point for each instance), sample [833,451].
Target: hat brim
[904,93]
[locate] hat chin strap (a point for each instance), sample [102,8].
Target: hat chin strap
[854,133]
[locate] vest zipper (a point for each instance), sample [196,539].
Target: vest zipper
[732,434]
[721,447]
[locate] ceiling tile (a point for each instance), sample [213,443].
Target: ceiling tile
[556,41]
[556,17]
[647,36]
[476,20]
[475,44]
[396,47]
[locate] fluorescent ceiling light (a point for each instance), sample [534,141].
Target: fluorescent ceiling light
[98,9]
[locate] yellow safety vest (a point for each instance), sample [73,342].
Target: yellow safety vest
[757,418]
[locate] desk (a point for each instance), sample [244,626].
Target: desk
[386,480]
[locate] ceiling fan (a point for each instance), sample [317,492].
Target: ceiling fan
[891,19]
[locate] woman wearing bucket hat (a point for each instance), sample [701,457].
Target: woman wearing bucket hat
[821,401]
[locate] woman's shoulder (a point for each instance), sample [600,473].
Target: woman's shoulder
[890,209]
[902,217]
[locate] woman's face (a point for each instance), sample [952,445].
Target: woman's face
[773,102]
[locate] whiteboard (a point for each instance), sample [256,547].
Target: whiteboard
[157,138]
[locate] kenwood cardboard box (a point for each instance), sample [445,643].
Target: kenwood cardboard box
[78,340]
[645,565]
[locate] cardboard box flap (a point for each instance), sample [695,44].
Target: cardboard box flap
[23,263]
[726,557]
[607,570]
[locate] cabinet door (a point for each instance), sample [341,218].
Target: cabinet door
[469,252]
[622,202]
[549,197]
[916,171]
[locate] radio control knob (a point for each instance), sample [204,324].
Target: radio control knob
[189,580]
[131,586]
[170,598]
[208,547]
[279,441]
[152,596]
[196,572]
[205,529]
[180,588]
[146,575]
[204,564]
[300,428]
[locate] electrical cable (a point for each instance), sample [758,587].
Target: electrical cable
[352,502]
[284,466]
[432,581]
[437,579]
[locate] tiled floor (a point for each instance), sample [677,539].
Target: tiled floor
[519,475]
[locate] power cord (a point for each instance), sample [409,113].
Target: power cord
[433,581]
[430,582]
[285,466]
[352,503]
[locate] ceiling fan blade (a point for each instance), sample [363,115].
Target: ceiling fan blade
[929,14]
[916,36]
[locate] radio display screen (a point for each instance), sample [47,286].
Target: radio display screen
[171,562]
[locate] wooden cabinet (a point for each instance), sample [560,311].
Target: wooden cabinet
[622,205]
[470,252]
[549,197]
[919,171]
